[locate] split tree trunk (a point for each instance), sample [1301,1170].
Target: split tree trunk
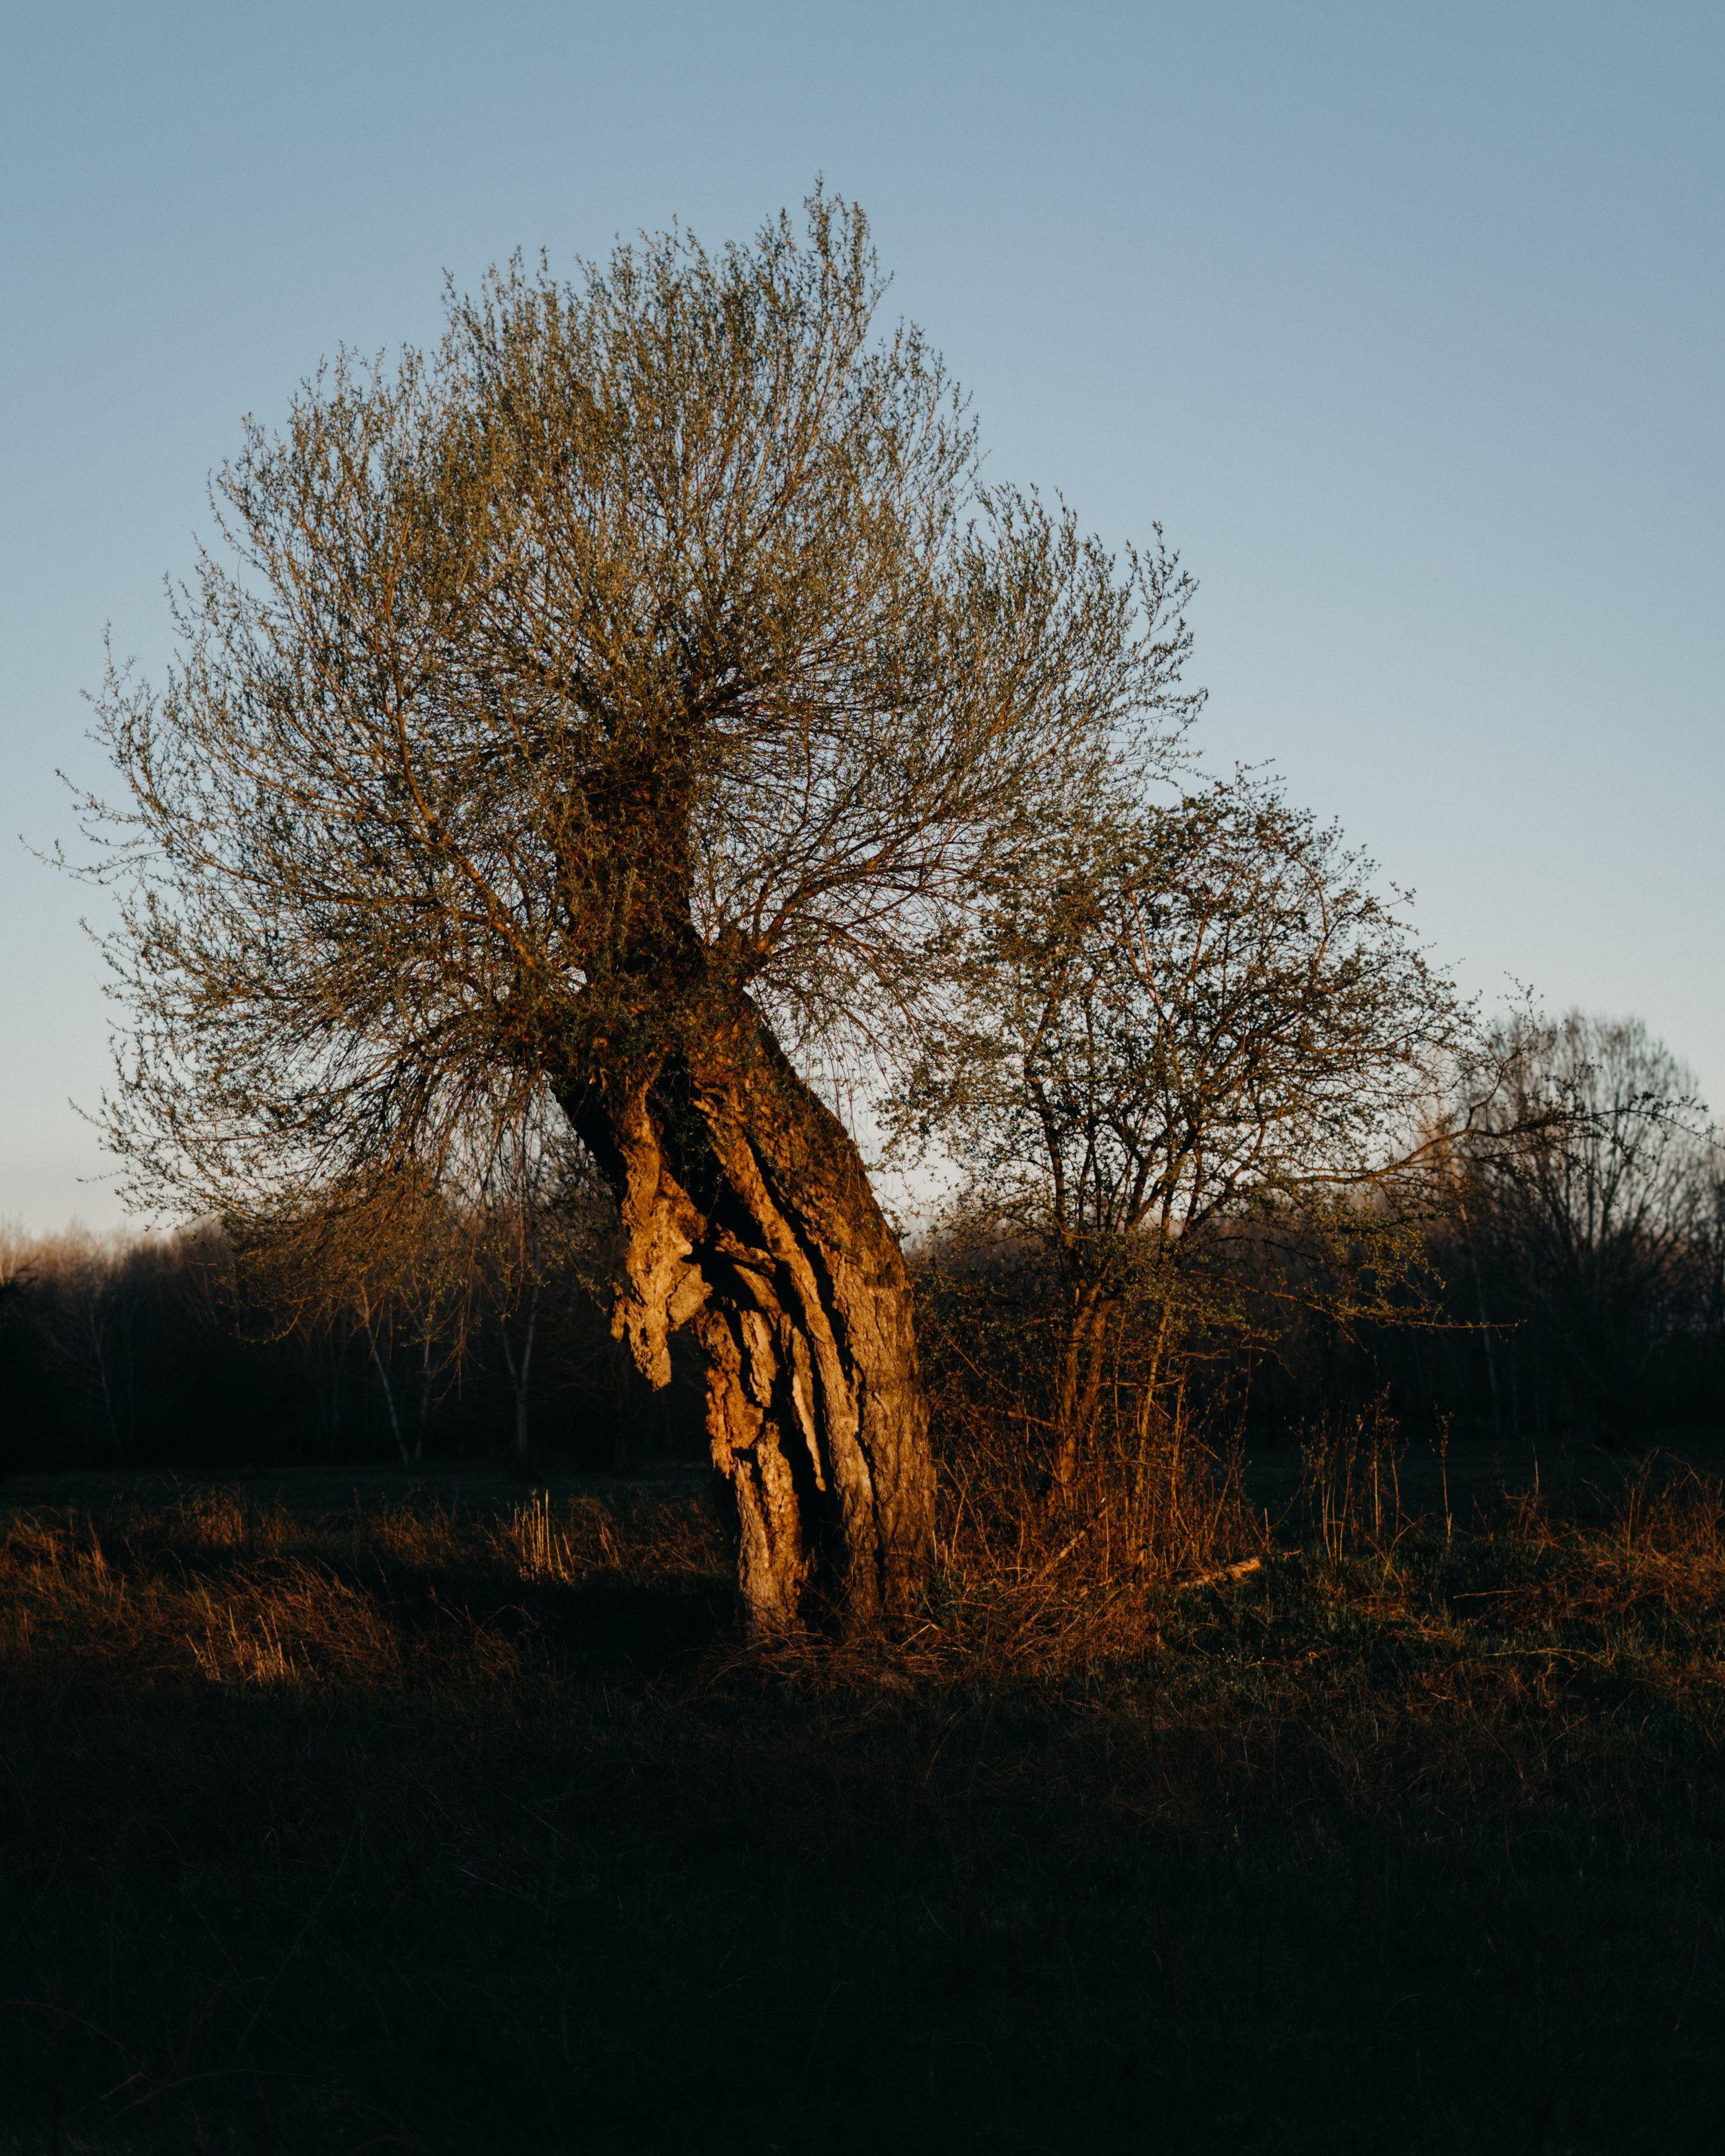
[747,1214]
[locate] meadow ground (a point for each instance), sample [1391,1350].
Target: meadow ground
[348,1814]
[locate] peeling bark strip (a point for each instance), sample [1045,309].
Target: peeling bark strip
[746,1212]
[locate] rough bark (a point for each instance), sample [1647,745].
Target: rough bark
[748,1214]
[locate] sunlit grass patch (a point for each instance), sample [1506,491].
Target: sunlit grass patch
[218,1587]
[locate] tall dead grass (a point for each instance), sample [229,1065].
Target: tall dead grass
[212,1587]
[1036,1574]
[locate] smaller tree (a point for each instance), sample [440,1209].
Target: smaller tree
[1587,1182]
[1196,1014]
[385,1265]
[424,1275]
[545,1221]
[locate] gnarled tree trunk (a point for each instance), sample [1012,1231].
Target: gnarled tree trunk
[746,1213]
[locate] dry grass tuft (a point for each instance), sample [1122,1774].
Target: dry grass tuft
[214,1587]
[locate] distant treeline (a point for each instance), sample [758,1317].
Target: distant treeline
[1549,1258]
[168,1350]
[1553,1262]
[1572,1271]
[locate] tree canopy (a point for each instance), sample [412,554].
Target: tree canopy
[659,613]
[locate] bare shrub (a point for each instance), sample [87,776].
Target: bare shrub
[1669,1508]
[1350,1482]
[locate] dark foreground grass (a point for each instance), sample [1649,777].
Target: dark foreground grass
[465,1827]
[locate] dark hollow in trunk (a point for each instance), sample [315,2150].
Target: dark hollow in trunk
[748,1214]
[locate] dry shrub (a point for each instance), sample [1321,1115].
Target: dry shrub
[427,1537]
[565,1545]
[1668,1508]
[570,1542]
[210,1586]
[1036,1580]
[1350,1494]
[228,1519]
[146,1608]
[1044,1573]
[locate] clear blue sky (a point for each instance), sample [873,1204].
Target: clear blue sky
[1404,321]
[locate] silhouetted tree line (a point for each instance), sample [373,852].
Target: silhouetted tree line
[1575,1263]
[1548,1257]
[187,1350]
[1545,1254]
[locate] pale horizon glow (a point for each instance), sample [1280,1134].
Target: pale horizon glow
[1405,326]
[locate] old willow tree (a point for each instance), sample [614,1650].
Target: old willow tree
[612,713]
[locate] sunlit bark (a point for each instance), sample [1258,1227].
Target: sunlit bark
[747,1214]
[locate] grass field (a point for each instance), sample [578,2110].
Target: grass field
[343,1815]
